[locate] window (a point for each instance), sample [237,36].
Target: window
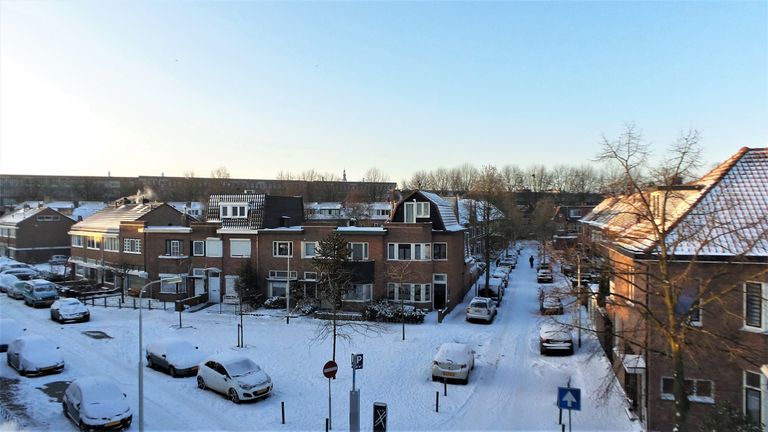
[173,248]
[409,212]
[111,244]
[214,248]
[409,251]
[48,218]
[754,306]
[239,248]
[422,209]
[656,205]
[381,212]
[277,288]
[282,249]
[688,302]
[358,292]
[93,243]
[440,251]
[574,213]
[198,248]
[409,292]
[280,274]
[308,249]
[754,401]
[132,246]
[233,210]
[698,390]
[77,241]
[310,276]
[358,251]
[171,288]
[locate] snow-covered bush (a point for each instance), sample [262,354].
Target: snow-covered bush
[275,303]
[386,311]
[307,306]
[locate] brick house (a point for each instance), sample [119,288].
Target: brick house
[129,243]
[567,224]
[718,245]
[32,235]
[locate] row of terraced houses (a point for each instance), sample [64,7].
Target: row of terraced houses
[418,253]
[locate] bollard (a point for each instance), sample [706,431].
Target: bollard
[327,420]
[287,319]
[437,401]
[105,302]
[282,410]
[560,417]
[562,429]
[134,303]
[445,386]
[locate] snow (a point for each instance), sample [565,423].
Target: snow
[513,387]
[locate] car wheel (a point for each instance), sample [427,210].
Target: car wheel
[64,408]
[465,381]
[200,383]
[150,364]
[172,371]
[82,426]
[233,396]
[542,350]
[434,378]
[53,318]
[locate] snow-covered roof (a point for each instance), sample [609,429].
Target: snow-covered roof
[447,213]
[324,205]
[466,207]
[109,218]
[359,229]
[19,215]
[87,209]
[724,213]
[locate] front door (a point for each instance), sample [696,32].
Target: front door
[214,286]
[440,294]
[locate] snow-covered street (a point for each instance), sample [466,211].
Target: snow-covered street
[513,387]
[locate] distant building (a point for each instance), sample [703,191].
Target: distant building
[32,235]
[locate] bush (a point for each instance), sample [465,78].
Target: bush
[307,306]
[385,311]
[275,303]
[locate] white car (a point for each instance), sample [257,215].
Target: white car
[96,402]
[174,355]
[555,337]
[501,273]
[481,308]
[453,361]
[69,309]
[234,375]
[34,355]
[10,329]
[6,280]
[22,273]
[495,288]
[13,265]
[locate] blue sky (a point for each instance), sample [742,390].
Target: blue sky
[144,88]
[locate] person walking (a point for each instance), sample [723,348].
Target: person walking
[530,260]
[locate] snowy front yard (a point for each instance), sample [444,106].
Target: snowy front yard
[513,387]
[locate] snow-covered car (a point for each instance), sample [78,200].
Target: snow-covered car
[555,337]
[16,291]
[6,280]
[544,276]
[551,305]
[453,361]
[481,308]
[510,262]
[10,329]
[22,273]
[58,260]
[96,402]
[234,375]
[13,265]
[34,355]
[174,355]
[494,290]
[39,292]
[69,309]
[501,273]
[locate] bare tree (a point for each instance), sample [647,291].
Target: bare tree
[673,226]
[486,190]
[220,173]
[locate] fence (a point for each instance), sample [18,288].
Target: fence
[117,301]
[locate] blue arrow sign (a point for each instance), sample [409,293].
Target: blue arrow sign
[569,398]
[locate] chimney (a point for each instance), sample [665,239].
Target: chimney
[284,221]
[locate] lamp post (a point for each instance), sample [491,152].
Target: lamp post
[288,284]
[173,279]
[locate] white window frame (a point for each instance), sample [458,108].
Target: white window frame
[441,278]
[304,253]
[422,209]
[694,397]
[424,251]
[424,290]
[172,288]
[367,293]
[77,241]
[233,210]
[310,276]
[271,286]
[364,246]
[111,244]
[763,306]
[763,395]
[92,243]
[276,249]
[409,209]
[132,246]
[280,274]
[239,248]
[445,244]
[214,247]
[195,245]
[574,213]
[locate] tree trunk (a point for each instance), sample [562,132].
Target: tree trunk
[334,336]
[681,397]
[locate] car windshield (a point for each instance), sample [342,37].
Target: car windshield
[44,289]
[242,367]
[481,305]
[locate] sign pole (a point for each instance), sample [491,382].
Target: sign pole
[329,405]
[569,420]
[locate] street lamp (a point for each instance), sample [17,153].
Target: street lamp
[169,280]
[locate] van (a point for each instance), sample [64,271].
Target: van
[39,292]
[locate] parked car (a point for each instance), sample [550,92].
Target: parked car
[16,291]
[13,265]
[453,361]
[495,289]
[543,266]
[174,355]
[481,308]
[544,276]
[10,330]
[58,260]
[551,305]
[69,309]
[508,262]
[555,337]
[39,292]
[501,273]
[234,375]
[6,280]
[96,402]
[34,355]
[22,273]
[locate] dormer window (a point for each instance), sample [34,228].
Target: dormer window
[233,210]
[415,210]
[422,209]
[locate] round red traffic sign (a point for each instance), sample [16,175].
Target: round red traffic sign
[330,368]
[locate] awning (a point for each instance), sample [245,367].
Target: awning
[633,363]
